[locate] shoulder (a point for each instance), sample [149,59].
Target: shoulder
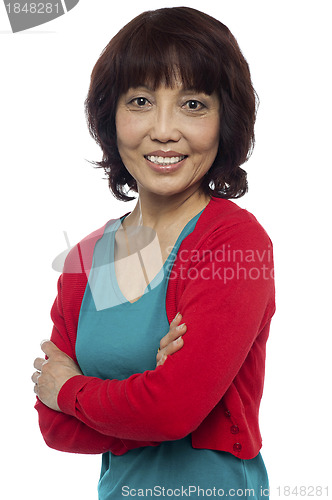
[79,257]
[223,220]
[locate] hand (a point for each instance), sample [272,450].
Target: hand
[172,341]
[52,373]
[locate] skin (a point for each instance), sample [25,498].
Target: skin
[162,119]
[147,120]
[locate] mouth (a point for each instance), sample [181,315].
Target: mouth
[164,161]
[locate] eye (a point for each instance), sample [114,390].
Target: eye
[194,105]
[141,102]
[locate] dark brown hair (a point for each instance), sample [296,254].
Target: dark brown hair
[156,47]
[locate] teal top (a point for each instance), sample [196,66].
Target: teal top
[116,339]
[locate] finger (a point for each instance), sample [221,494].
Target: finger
[38,363]
[174,333]
[49,348]
[171,348]
[176,319]
[162,360]
[174,346]
[35,377]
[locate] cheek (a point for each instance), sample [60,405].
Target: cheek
[205,137]
[128,131]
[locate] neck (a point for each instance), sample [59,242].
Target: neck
[161,212]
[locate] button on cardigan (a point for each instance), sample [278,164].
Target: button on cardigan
[222,283]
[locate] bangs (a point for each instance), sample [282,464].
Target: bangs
[165,53]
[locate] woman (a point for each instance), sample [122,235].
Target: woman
[172,106]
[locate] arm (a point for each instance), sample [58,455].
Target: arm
[65,432]
[225,307]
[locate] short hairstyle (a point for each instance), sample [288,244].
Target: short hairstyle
[154,48]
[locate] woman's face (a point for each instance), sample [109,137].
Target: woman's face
[167,138]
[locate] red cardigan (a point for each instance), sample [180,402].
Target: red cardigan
[222,283]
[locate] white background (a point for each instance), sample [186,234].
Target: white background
[48,187]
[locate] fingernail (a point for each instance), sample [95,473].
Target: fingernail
[45,340]
[177,316]
[178,341]
[181,327]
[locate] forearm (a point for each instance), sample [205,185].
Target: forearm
[66,433]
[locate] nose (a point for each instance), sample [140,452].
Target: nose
[165,126]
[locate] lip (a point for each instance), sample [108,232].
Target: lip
[165,154]
[165,168]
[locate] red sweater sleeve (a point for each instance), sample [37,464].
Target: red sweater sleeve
[65,432]
[227,300]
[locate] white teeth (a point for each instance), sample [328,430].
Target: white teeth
[161,160]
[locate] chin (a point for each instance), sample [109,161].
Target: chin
[161,190]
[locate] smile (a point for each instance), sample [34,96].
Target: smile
[164,161]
